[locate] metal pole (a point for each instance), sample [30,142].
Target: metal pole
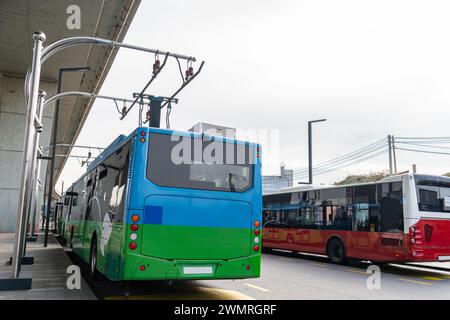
[310,165]
[54,135]
[82,94]
[310,181]
[393,152]
[33,178]
[43,207]
[55,217]
[390,154]
[39,38]
[59,45]
[35,201]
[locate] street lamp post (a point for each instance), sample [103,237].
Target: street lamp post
[310,148]
[54,134]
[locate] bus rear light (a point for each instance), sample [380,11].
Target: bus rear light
[247,267]
[142,140]
[134,227]
[135,218]
[142,268]
[257,223]
[133,236]
[256,240]
[256,232]
[256,247]
[142,133]
[132,245]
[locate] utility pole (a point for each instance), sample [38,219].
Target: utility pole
[390,154]
[393,152]
[310,148]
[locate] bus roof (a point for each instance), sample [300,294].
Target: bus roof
[198,135]
[393,178]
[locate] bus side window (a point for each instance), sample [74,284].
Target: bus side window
[391,207]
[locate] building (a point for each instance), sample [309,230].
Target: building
[19,19]
[277,182]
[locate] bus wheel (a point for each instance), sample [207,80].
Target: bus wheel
[266,250]
[336,251]
[93,258]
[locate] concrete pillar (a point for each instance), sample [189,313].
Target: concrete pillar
[12,121]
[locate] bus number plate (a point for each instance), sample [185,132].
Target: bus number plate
[198,270]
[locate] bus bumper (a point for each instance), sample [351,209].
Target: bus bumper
[139,267]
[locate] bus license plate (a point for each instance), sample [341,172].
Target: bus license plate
[444,258]
[198,270]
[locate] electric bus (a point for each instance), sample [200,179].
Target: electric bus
[401,218]
[163,204]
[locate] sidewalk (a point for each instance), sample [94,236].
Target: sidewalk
[48,271]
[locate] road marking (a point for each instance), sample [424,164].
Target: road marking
[256,287]
[417,282]
[431,278]
[358,271]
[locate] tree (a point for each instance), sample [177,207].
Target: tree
[361,178]
[447,174]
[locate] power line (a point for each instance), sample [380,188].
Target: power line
[423,145]
[370,149]
[424,151]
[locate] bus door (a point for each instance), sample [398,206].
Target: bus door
[361,236]
[92,209]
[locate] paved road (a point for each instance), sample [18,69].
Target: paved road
[296,276]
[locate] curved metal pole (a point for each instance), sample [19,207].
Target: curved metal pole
[59,45]
[71,145]
[81,94]
[27,157]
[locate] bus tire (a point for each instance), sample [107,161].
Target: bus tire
[336,251]
[266,250]
[93,258]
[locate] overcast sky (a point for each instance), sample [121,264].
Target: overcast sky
[372,68]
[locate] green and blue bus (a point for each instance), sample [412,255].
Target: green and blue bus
[163,204]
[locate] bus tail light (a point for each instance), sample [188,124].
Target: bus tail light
[256,240]
[256,232]
[247,267]
[256,247]
[135,218]
[257,223]
[132,245]
[134,227]
[142,268]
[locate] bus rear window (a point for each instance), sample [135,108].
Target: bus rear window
[433,193]
[186,162]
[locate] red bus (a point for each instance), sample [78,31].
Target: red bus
[402,218]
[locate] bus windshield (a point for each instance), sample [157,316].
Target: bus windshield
[433,193]
[187,162]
